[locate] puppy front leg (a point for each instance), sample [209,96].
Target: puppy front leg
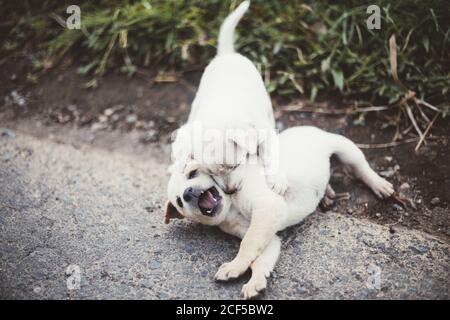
[261,269]
[267,218]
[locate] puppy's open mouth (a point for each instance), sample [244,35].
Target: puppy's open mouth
[209,201]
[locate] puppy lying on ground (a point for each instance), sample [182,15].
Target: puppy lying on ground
[305,158]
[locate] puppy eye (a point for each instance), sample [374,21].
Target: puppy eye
[179,202]
[192,174]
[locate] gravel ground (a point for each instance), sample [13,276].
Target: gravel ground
[66,207]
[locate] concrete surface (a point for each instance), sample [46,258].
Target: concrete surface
[63,205]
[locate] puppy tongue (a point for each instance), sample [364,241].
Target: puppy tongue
[207,201]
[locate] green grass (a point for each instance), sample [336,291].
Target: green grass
[314,49]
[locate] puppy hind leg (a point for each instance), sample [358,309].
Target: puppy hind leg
[351,155]
[329,198]
[261,269]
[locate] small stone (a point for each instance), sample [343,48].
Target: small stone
[378,215]
[406,214]
[131,118]
[72,108]
[301,289]
[102,118]
[8,133]
[18,98]
[97,126]
[397,207]
[435,201]
[350,211]
[387,173]
[7,157]
[420,249]
[149,209]
[108,112]
[37,290]
[147,283]
[388,158]
[405,186]
[115,118]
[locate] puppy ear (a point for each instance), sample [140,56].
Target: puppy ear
[170,212]
[245,139]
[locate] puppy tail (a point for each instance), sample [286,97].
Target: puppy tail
[226,34]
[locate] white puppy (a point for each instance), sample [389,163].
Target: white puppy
[231,116]
[229,135]
[305,158]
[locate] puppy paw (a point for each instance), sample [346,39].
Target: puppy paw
[231,270]
[328,199]
[254,286]
[381,187]
[278,183]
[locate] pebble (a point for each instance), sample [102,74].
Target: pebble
[420,249]
[350,211]
[301,289]
[108,112]
[132,118]
[387,173]
[378,215]
[405,186]
[37,290]
[115,118]
[97,126]
[435,201]
[8,133]
[18,98]
[147,283]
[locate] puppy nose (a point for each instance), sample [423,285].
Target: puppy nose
[188,194]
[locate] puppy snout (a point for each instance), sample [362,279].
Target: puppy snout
[190,193]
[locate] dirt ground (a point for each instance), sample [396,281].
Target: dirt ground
[149,110]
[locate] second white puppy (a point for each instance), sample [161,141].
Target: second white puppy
[305,158]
